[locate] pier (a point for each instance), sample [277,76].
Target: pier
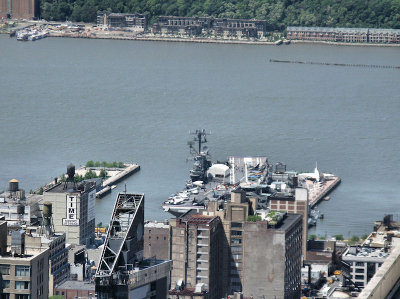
[318,190]
[103,192]
[131,169]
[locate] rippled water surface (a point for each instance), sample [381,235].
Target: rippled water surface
[74,100]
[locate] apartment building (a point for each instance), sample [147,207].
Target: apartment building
[196,252]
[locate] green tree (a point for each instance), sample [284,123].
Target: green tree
[339,237]
[312,237]
[103,173]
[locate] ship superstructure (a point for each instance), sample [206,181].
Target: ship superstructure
[216,181]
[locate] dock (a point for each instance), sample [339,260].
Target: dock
[318,190]
[103,192]
[131,169]
[119,175]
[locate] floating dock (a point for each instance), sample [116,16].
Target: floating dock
[318,190]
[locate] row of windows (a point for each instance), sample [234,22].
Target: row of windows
[19,285]
[17,296]
[19,270]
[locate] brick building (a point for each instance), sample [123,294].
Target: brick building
[19,9]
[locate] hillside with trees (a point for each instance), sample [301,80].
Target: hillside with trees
[278,13]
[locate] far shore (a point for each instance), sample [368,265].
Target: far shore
[95,33]
[223,41]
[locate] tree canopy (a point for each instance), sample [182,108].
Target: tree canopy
[277,13]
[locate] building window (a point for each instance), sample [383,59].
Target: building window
[22,270]
[22,285]
[5,269]
[236,224]
[359,276]
[6,284]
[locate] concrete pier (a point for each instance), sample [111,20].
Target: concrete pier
[131,169]
[103,192]
[318,190]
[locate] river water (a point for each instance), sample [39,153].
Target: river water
[74,100]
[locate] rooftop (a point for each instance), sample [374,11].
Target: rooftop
[69,187]
[288,221]
[156,224]
[25,257]
[76,285]
[186,292]
[365,252]
[198,219]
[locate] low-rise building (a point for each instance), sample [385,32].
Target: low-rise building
[122,20]
[24,274]
[388,36]
[239,28]
[19,208]
[228,28]
[182,25]
[348,35]
[76,289]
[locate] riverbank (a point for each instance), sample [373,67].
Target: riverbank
[86,30]
[146,37]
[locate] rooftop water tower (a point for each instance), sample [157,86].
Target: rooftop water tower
[71,176]
[47,224]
